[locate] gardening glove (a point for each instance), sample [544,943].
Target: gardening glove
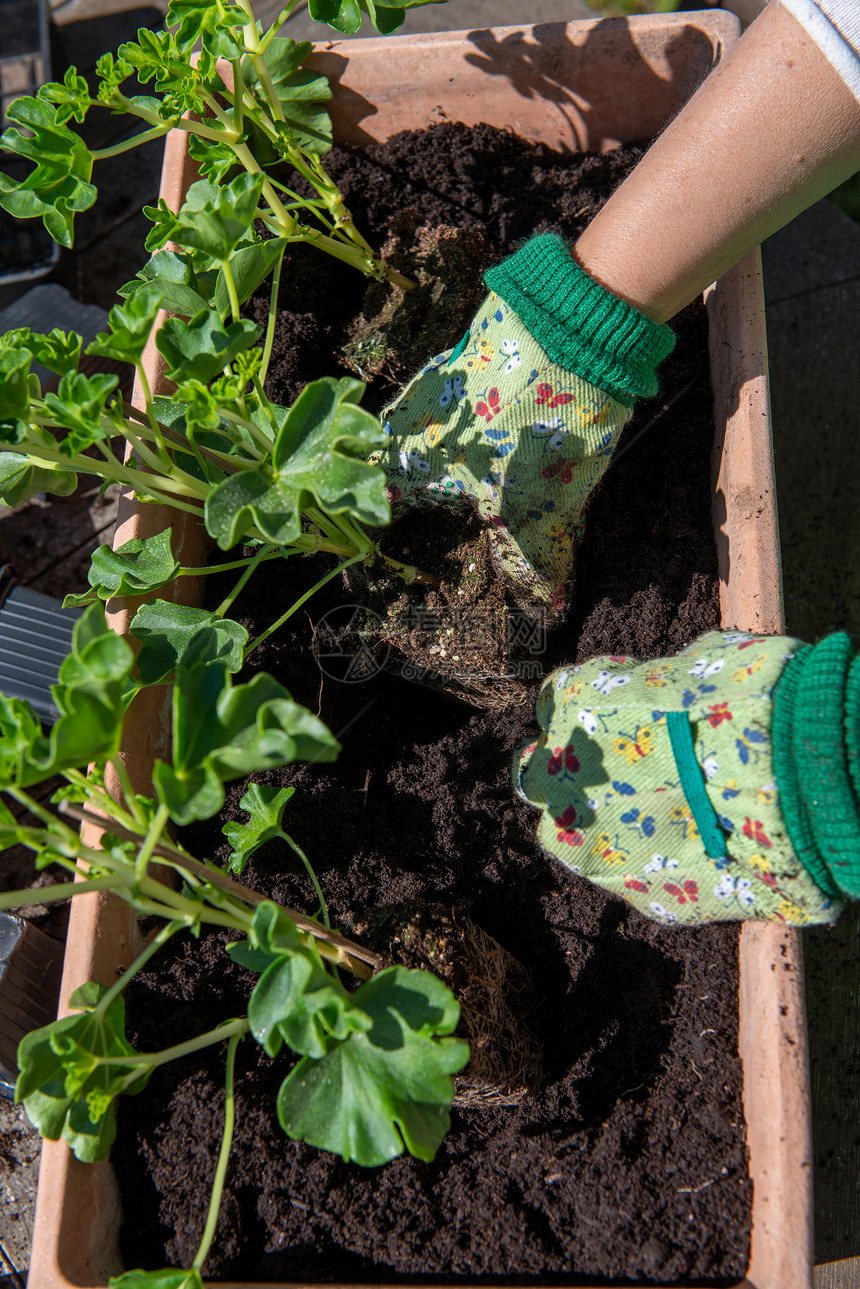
[721,784]
[520,419]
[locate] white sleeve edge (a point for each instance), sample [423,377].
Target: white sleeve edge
[839,53]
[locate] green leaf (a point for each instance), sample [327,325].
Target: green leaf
[89,693]
[19,480]
[300,92]
[59,185]
[111,73]
[166,1279]
[173,636]
[222,732]
[71,96]
[215,160]
[265,804]
[78,406]
[89,696]
[156,56]
[318,456]
[130,326]
[182,290]
[22,738]
[60,351]
[345,15]
[201,348]
[14,385]
[164,225]
[216,224]
[65,1089]
[296,1000]
[216,24]
[202,412]
[142,564]
[386,1090]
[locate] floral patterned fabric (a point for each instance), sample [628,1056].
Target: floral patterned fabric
[495,425]
[607,775]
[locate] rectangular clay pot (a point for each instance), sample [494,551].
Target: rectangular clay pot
[588,85]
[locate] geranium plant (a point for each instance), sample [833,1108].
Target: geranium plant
[287,480]
[374,1071]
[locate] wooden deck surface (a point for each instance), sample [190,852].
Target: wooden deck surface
[49,543]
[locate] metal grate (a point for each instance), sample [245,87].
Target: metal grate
[35,636]
[31,966]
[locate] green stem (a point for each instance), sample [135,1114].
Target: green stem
[312,875]
[340,568]
[238,96]
[147,398]
[267,553]
[182,123]
[42,813]
[253,564]
[139,963]
[234,1028]
[272,319]
[265,405]
[128,793]
[228,460]
[327,525]
[353,533]
[231,288]
[165,467]
[278,23]
[97,795]
[169,491]
[223,1156]
[144,855]
[145,136]
[260,438]
[63,891]
[249,161]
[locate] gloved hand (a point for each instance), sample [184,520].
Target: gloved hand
[519,420]
[721,784]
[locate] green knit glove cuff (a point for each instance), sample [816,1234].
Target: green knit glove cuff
[582,326]
[814,731]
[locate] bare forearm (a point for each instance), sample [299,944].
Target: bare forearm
[771,130]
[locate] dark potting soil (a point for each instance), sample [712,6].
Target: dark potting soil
[629,1160]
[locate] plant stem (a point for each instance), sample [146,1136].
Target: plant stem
[259,437]
[157,827]
[63,891]
[339,568]
[273,317]
[258,559]
[169,491]
[312,875]
[145,136]
[238,99]
[234,1028]
[230,283]
[223,1156]
[265,406]
[139,963]
[278,23]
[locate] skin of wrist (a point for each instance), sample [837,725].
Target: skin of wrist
[772,129]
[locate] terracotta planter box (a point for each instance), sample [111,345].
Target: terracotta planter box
[592,85]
